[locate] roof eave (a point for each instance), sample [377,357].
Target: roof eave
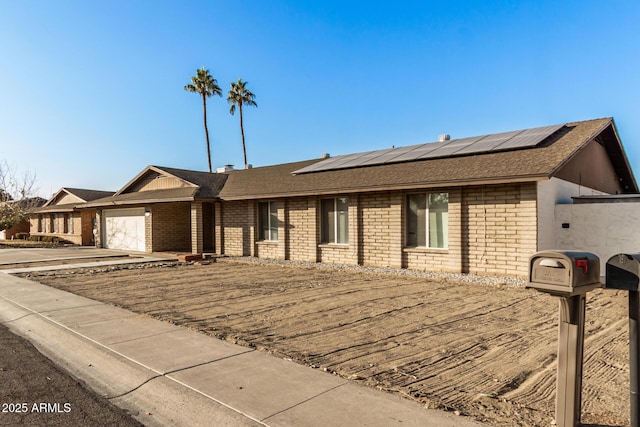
[154,169]
[144,201]
[394,187]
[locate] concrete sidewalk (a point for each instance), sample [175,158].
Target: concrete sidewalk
[173,376]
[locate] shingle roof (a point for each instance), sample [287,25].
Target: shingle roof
[508,166]
[83,194]
[210,183]
[88,195]
[202,185]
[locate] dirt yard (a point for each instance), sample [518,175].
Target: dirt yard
[488,351]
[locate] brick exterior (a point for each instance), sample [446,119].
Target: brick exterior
[302,230]
[491,231]
[170,227]
[21,227]
[237,234]
[81,232]
[197,238]
[499,226]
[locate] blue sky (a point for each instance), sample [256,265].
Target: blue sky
[92,92]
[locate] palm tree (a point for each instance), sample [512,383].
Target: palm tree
[204,84]
[239,95]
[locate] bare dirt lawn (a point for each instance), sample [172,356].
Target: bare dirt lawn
[488,351]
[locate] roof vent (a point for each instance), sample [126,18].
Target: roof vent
[226,168]
[325,155]
[444,137]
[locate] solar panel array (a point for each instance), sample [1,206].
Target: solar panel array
[505,141]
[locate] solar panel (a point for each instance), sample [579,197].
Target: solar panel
[338,161]
[488,142]
[529,137]
[417,151]
[371,156]
[451,148]
[457,147]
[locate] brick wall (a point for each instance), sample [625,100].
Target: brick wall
[86,226]
[58,220]
[303,230]
[196,218]
[237,234]
[499,229]
[491,231]
[21,227]
[170,227]
[381,223]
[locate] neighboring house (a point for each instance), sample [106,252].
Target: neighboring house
[161,209]
[478,205]
[23,226]
[61,217]
[605,225]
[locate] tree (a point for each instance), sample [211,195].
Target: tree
[204,84]
[16,196]
[239,95]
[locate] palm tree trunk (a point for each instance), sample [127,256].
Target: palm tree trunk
[206,131]
[244,148]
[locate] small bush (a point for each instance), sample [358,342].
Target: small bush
[54,240]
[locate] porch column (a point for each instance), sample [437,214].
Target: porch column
[313,234]
[196,228]
[395,230]
[219,227]
[98,235]
[249,247]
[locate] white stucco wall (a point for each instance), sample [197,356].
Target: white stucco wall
[554,192]
[605,229]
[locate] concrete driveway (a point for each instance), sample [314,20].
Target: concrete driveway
[70,257]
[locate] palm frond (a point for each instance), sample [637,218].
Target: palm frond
[204,84]
[240,95]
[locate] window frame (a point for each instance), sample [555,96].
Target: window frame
[332,237]
[68,223]
[270,233]
[426,221]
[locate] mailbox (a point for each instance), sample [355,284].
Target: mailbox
[564,273]
[568,275]
[623,272]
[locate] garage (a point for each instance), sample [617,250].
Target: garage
[124,229]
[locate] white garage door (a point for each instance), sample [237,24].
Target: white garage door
[124,229]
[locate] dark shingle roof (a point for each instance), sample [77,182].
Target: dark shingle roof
[83,194]
[88,195]
[210,183]
[202,186]
[508,166]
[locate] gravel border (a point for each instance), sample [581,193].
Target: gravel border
[457,277]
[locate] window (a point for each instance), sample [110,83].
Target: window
[268,221]
[41,224]
[54,223]
[334,224]
[428,220]
[68,223]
